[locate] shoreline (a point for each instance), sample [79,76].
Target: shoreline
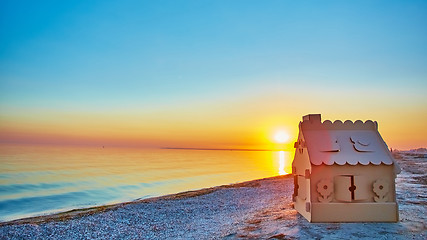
[257,209]
[75,213]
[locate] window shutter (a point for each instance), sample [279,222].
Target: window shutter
[342,186]
[302,187]
[362,188]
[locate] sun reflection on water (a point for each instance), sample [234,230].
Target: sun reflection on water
[282,163]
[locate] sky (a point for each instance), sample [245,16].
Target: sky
[218,74]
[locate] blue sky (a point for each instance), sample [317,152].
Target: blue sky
[109,55]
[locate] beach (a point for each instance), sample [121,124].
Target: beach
[258,209]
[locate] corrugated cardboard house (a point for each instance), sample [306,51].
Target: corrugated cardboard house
[343,172]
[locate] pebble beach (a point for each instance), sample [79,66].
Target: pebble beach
[259,209]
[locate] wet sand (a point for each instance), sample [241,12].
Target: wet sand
[259,209]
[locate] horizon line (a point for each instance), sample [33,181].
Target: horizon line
[221,149]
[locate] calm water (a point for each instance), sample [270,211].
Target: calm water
[36,180]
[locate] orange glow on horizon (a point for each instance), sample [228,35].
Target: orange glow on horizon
[144,130]
[218,125]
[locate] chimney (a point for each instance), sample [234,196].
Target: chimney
[313,118]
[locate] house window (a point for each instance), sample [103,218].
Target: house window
[350,188]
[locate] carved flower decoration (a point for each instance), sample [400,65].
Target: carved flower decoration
[325,187]
[381,187]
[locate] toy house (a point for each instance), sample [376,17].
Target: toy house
[343,172]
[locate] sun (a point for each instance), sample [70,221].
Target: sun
[281,137]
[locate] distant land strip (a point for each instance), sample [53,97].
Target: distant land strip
[220,149]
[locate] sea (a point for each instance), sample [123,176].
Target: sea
[39,180]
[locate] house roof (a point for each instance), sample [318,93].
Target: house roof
[344,142]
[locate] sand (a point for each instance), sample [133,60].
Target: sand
[259,209]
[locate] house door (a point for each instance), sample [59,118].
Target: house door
[348,188]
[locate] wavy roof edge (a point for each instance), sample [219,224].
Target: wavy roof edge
[339,125]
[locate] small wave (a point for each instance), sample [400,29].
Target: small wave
[19,188]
